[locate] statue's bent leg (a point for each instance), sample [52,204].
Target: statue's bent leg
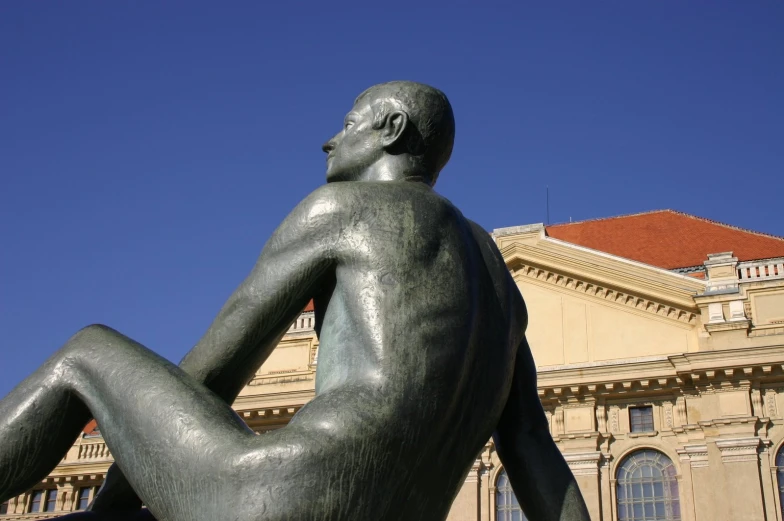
[175,441]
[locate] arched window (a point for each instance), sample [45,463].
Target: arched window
[780,474]
[506,506]
[647,489]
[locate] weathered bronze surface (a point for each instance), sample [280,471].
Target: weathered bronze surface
[422,358]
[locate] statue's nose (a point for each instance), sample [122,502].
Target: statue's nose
[329,146]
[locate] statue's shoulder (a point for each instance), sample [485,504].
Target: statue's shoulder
[350,196]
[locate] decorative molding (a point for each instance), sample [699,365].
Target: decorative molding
[286,376]
[667,408]
[728,325]
[615,426]
[756,404]
[703,371]
[583,463]
[680,410]
[694,454]
[769,331]
[623,298]
[601,418]
[473,474]
[271,413]
[645,434]
[558,424]
[770,403]
[738,449]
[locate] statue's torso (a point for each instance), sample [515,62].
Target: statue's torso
[417,336]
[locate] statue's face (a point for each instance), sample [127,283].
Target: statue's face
[355,148]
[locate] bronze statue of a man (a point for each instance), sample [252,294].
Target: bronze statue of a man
[422,358]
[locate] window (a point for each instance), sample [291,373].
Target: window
[780,474]
[51,500]
[506,506]
[84,498]
[35,501]
[641,419]
[647,489]
[4,508]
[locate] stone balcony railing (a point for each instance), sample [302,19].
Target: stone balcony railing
[305,322]
[96,450]
[88,450]
[761,270]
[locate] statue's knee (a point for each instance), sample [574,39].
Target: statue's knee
[88,337]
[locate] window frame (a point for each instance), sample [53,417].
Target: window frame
[89,490]
[626,485]
[502,489]
[50,499]
[643,423]
[36,498]
[778,461]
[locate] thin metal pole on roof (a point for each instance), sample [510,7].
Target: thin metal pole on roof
[548,205]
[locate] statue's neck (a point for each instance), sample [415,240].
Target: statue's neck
[394,168]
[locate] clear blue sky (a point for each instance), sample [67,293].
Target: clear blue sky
[148,149]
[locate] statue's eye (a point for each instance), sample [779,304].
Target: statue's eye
[348,124]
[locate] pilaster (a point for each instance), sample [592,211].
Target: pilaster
[744,496]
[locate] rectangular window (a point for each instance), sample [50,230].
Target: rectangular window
[35,501]
[4,508]
[641,418]
[51,500]
[84,498]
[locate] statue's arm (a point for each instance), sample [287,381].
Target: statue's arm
[540,477]
[289,270]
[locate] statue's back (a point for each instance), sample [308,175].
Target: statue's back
[417,340]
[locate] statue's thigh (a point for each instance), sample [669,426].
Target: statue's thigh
[165,430]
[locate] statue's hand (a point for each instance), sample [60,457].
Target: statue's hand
[116,494]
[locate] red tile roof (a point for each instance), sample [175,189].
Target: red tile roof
[309,307]
[667,239]
[90,427]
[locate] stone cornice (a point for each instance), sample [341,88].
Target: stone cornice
[763,358]
[716,370]
[617,281]
[607,270]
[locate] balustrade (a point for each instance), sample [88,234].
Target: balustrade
[761,270]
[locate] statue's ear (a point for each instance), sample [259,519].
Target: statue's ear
[394,128]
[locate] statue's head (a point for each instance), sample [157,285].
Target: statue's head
[395,130]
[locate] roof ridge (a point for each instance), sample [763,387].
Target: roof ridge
[595,219]
[669,210]
[730,226]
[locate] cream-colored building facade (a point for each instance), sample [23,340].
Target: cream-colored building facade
[664,388]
